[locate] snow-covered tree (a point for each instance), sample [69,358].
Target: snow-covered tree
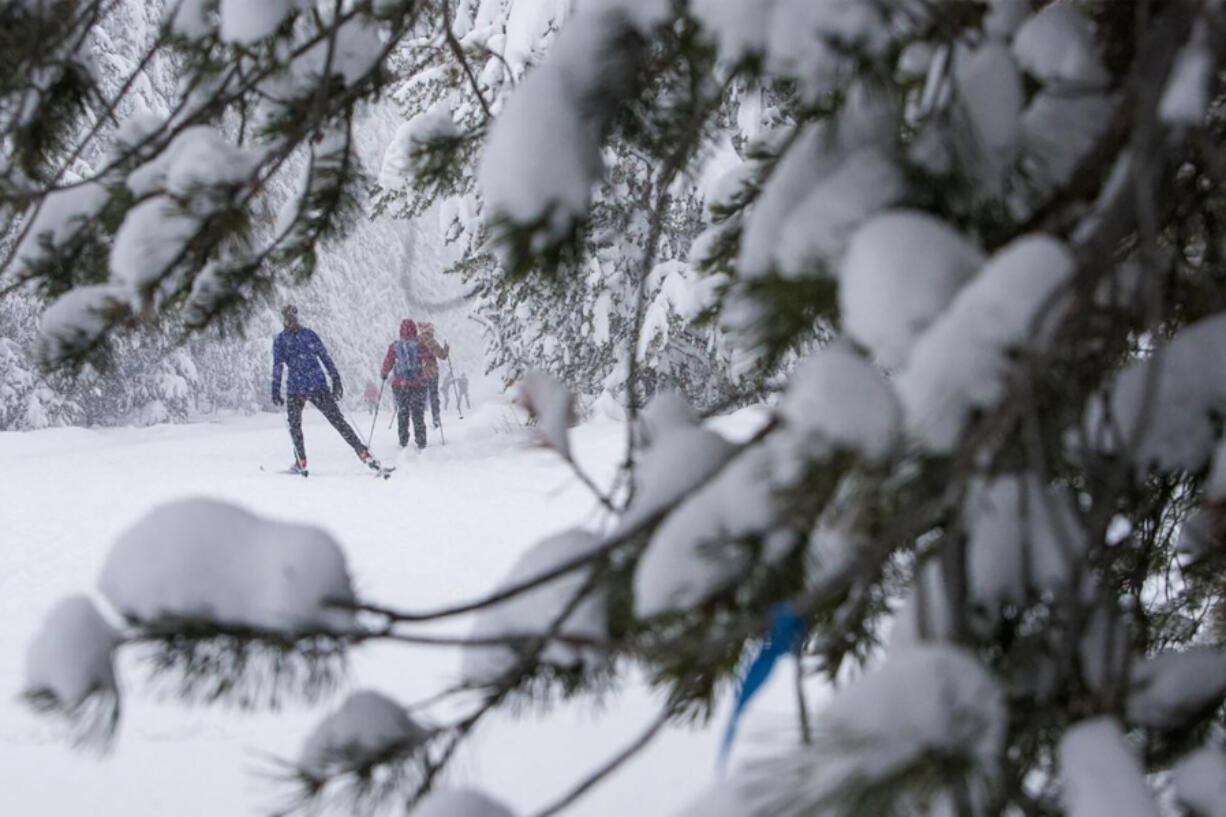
[597,307]
[990,508]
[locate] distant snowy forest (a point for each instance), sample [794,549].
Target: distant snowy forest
[965,257]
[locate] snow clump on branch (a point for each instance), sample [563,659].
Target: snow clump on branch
[543,154]
[962,362]
[367,729]
[1101,773]
[206,560]
[70,669]
[566,601]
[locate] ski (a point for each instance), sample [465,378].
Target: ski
[287,471]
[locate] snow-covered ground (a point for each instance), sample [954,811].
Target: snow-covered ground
[446,527]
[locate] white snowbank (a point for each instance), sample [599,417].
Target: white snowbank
[837,401]
[961,362]
[71,656]
[367,727]
[206,559]
[459,803]
[535,611]
[1101,774]
[901,270]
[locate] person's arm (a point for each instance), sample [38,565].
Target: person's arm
[322,353]
[278,363]
[389,360]
[441,352]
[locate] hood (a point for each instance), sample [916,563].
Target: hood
[426,329]
[408,329]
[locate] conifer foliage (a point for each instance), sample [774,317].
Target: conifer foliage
[997,487]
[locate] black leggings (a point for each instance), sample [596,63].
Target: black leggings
[325,403]
[411,403]
[432,387]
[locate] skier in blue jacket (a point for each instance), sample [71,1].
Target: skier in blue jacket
[300,351]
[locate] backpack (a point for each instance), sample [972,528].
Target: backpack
[408,360]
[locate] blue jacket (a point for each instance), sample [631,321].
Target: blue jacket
[302,352]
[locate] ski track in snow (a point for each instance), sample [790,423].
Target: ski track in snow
[446,527]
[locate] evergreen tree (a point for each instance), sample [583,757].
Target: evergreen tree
[997,488]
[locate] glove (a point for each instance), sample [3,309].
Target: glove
[338,391]
[277,400]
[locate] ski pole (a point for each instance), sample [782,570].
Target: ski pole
[378,401]
[455,383]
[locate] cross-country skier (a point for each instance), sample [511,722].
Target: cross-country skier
[408,359]
[301,353]
[438,353]
[458,383]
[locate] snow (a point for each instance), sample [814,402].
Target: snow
[1057,47]
[548,400]
[446,528]
[1005,16]
[403,158]
[1200,782]
[901,270]
[1023,537]
[1059,131]
[671,467]
[62,214]
[190,18]
[695,552]
[1170,688]
[1186,96]
[797,173]
[151,241]
[459,803]
[815,234]
[738,28]
[1169,393]
[836,401]
[367,727]
[245,21]
[961,362]
[542,156]
[77,319]
[809,41]
[206,559]
[534,612]
[1100,773]
[924,702]
[70,657]
[990,94]
[199,156]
